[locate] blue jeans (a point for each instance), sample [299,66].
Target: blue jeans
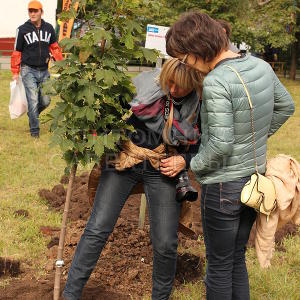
[32,80]
[226,226]
[113,190]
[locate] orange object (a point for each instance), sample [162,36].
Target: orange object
[35,5]
[56,51]
[66,27]
[15,62]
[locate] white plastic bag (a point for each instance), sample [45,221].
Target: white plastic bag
[18,102]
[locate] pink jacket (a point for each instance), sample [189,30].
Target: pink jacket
[284,171]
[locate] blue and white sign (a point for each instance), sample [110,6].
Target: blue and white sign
[155,38]
[153,29]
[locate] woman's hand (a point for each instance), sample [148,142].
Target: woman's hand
[172,165]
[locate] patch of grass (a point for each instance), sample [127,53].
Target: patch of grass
[190,291]
[27,165]
[287,139]
[281,280]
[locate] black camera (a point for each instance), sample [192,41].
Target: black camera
[184,189]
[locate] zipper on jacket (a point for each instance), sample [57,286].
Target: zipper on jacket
[39,47]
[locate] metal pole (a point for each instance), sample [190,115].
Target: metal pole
[142,212]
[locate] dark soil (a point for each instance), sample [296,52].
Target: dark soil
[9,267]
[124,269]
[21,213]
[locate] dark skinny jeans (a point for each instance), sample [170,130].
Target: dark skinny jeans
[226,225]
[113,190]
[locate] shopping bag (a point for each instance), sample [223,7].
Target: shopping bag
[18,102]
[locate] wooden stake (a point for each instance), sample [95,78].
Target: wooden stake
[59,262]
[142,212]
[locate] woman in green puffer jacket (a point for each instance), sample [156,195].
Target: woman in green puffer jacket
[225,160]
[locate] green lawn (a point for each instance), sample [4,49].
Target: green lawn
[28,165]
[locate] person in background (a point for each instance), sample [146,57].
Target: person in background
[226,158]
[35,39]
[227,28]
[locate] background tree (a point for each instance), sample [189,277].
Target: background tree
[258,23]
[274,24]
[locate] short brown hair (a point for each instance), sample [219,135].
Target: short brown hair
[198,34]
[183,76]
[226,25]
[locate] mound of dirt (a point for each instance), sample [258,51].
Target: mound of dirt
[80,208]
[125,264]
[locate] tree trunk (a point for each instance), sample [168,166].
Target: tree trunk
[60,262]
[293,69]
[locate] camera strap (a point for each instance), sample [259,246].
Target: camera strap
[167,107]
[166,113]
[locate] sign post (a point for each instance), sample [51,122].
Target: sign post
[155,39]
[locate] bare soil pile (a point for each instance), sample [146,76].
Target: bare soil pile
[125,266]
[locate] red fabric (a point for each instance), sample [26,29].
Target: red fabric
[15,62]
[56,51]
[148,110]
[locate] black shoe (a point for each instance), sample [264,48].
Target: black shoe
[35,135]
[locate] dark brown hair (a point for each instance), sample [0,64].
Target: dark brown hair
[198,34]
[226,25]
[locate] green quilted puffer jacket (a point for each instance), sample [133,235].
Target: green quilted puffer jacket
[226,150]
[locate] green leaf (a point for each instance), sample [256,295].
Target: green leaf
[109,77]
[66,145]
[55,140]
[150,55]
[83,82]
[69,156]
[91,141]
[90,114]
[101,34]
[138,54]
[67,44]
[129,43]
[99,74]
[107,62]
[111,139]
[89,95]
[84,55]
[80,146]
[81,113]
[70,70]
[99,147]
[132,25]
